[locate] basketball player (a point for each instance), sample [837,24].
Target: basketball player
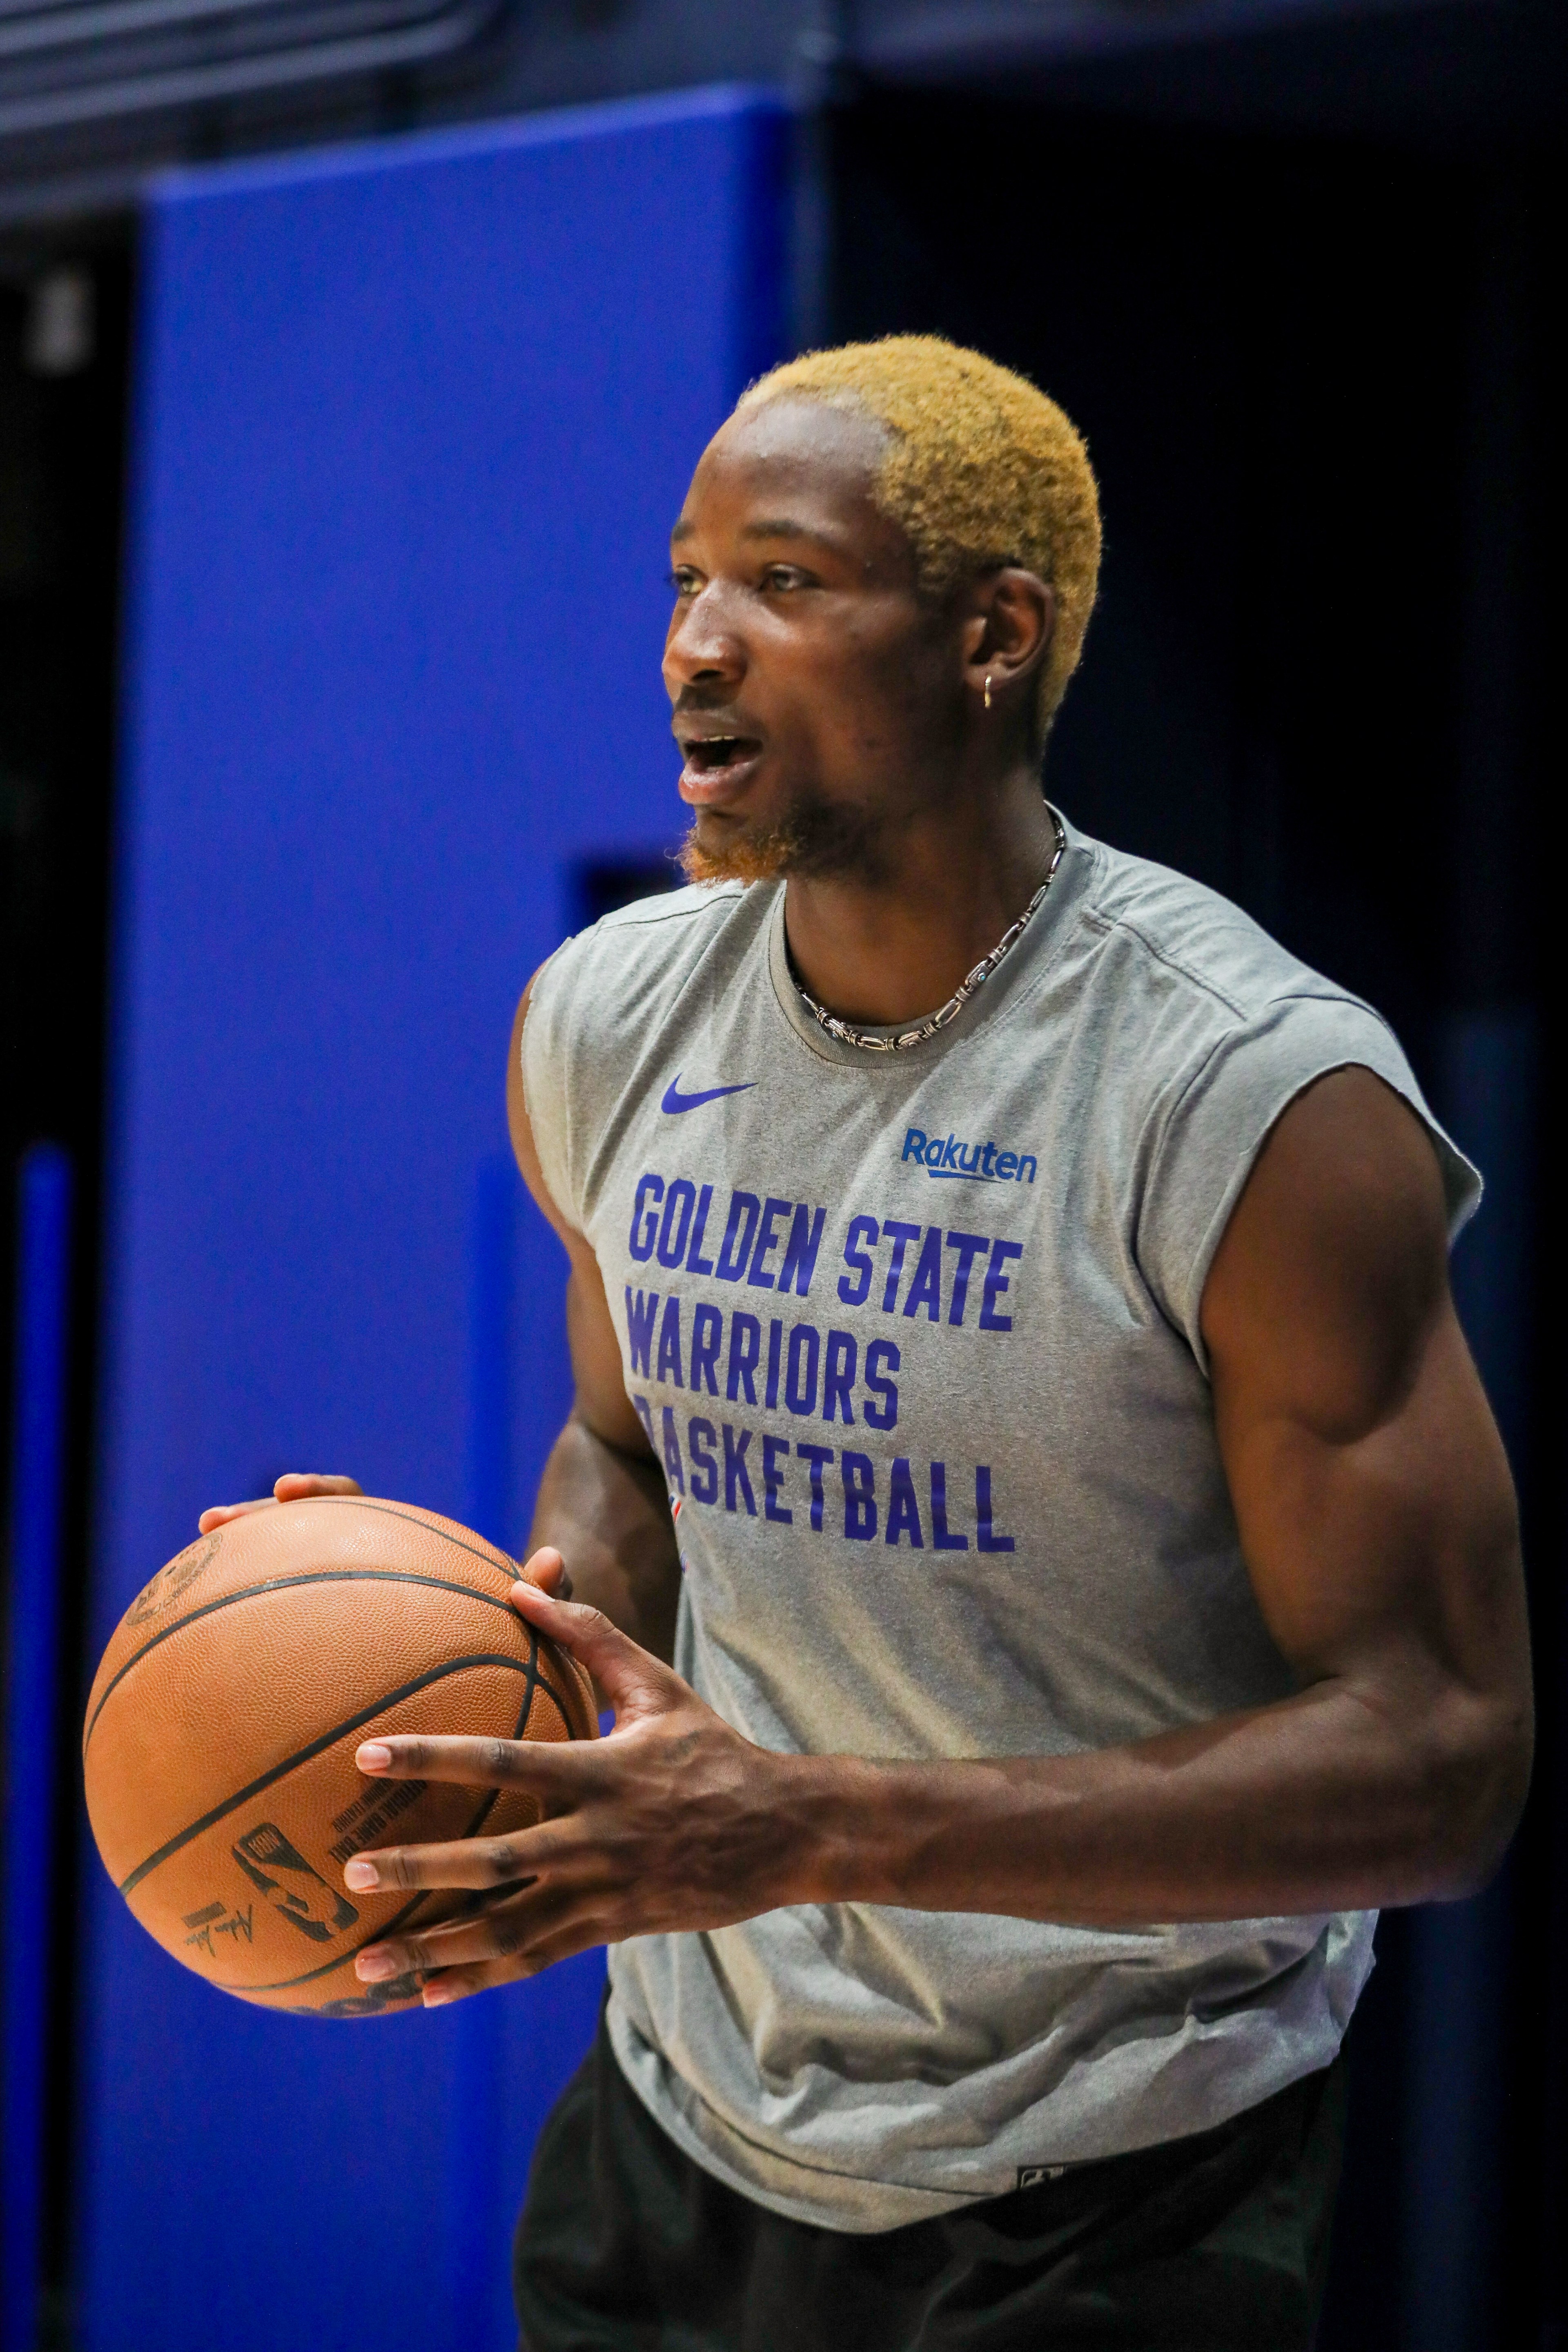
[1027,1500]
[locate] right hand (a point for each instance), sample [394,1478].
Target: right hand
[544,1568]
[292,1487]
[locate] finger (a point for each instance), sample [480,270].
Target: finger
[473,1763]
[482,1864]
[635,1682]
[505,1929]
[292,1487]
[513,1920]
[218,1515]
[546,1568]
[457,1984]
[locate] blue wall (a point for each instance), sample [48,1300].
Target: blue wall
[411,425]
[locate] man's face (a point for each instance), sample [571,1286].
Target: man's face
[817,698]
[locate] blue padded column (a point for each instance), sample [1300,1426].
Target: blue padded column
[412,422]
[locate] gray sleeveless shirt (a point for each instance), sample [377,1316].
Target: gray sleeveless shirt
[915,1337]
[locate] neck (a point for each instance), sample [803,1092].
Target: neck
[894,946]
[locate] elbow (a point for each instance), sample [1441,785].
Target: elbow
[1476,1776]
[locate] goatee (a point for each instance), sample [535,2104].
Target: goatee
[814,837]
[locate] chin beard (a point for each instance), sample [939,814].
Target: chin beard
[814,837]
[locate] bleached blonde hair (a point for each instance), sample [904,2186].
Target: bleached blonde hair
[981,469]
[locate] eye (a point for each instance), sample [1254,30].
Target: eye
[781,576]
[683,580]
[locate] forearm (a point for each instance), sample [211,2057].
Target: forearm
[607,1514]
[1324,1803]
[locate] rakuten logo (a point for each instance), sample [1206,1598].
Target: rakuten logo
[943,1156]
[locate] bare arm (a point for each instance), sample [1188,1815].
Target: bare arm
[602,1501]
[1378,1523]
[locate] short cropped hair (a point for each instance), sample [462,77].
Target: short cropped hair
[982,469]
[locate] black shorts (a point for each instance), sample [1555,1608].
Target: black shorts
[1214,2243]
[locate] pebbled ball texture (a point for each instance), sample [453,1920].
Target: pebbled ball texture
[220,1735]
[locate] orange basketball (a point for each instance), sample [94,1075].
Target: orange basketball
[219,1743]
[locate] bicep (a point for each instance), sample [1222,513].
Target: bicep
[602,1401]
[1372,1493]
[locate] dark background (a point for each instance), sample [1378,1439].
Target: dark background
[1313,344]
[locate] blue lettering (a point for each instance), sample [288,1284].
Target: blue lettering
[859,1497]
[700,1438]
[671,1235]
[670,1345]
[903,1511]
[914,1144]
[1006,1163]
[995,1284]
[775,1342]
[815,1458]
[744,1208]
[861,1229]
[649,1188]
[646,1417]
[925,1290]
[1026,1160]
[707,1335]
[672,1452]
[901,1236]
[800,1384]
[941,1539]
[968,1246]
[768,1241]
[735,1478]
[695,1260]
[800,1258]
[639,1327]
[745,1344]
[839,1375]
[773,1480]
[949,1155]
[984,1539]
[884,1414]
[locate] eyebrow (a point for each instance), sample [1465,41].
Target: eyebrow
[785,527]
[770,527]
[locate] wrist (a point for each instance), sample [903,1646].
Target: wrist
[846,1836]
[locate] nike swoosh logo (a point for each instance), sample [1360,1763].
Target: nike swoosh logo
[674,1101]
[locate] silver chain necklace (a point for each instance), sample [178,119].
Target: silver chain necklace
[847,1035]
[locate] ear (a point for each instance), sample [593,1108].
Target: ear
[1006,636]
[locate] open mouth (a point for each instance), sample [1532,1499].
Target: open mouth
[711,754]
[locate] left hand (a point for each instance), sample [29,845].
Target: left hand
[671,1822]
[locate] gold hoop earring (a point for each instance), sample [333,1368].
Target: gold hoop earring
[987,689]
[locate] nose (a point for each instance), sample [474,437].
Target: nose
[703,648]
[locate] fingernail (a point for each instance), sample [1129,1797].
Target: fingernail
[363,1876]
[373,1757]
[438,1995]
[370,1967]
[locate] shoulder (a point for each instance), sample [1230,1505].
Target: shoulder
[1197,1002]
[1206,1031]
[1182,939]
[602,972]
[602,1012]
[602,987]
